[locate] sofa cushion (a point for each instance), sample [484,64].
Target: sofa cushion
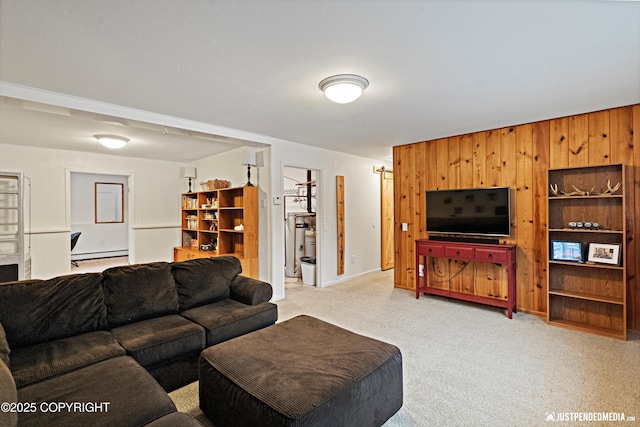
[138,292]
[204,280]
[8,394]
[4,346]
[175,419]
[42,361]
[36,311]
[157,340]
[132,396]
[228,319]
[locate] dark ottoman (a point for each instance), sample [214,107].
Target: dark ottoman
[302,372]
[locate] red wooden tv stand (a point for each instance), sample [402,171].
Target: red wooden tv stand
[478,252]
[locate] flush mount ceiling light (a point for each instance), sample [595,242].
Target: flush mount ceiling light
[343,88]
[112,141]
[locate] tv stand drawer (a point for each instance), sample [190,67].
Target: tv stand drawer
[489,255]
[458,252]
[432,250]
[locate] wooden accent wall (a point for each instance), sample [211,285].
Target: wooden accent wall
[518,156]
[341,224]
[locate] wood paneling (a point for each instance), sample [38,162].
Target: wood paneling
[340,220]
[517,156]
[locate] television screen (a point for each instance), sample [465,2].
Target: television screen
[478,211]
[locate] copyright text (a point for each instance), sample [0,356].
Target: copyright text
[54,407]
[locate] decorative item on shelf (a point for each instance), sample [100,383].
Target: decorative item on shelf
[252,158]
[215,184]
[213,226]
[578,192]
[611,190]
[604,253]
[248,160]
[186,240]
[584,225]
[239,227]
[194,243]
[567,251]
[212,203]
[206,247]
[189,172]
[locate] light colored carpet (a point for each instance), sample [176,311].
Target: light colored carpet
[469,365]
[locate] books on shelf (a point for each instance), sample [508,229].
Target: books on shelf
[189,202]
[192,222]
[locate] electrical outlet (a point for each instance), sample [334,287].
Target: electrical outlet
[420,270]
[405,226]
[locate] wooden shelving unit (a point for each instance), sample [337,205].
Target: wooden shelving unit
[588,296]
[226,219]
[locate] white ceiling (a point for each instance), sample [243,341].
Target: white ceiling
[436,68]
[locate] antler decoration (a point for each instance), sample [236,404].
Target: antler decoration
[611,190]
[578,192]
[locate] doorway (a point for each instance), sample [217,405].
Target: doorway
[104,229]
[300,233]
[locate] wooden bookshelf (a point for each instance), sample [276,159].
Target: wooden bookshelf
[226,219]
[585,295]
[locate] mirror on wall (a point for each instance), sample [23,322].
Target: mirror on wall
[109,201]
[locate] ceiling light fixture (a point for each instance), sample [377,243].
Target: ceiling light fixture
[343,88]
[112,141]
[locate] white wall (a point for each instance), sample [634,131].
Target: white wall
[96,240]
[155,187]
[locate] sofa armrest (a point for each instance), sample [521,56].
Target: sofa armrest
[250,291]
[4,346]
[8,394]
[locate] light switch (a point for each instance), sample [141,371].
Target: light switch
[405,226]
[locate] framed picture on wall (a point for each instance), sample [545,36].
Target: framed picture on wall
[604,253]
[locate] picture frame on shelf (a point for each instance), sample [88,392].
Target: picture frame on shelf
[604,253]
[562,250]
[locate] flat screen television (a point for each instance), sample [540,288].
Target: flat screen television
[469,211]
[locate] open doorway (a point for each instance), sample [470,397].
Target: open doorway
[99,220]
[300,207]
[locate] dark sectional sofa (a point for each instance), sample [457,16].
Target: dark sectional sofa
[105,348]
